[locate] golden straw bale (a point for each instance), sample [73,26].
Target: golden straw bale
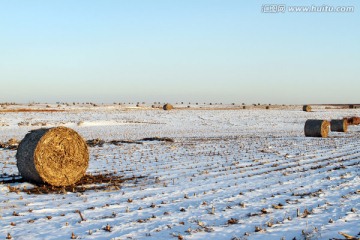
[168,106]
[57,156]
[307,108]
[339,125]
[316,128]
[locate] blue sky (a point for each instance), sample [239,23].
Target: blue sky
[177,50]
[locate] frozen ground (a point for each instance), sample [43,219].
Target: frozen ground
[230,174]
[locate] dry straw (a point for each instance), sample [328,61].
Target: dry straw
[307,108]
[168,106]
[339,125]
[56,156]
[316,128]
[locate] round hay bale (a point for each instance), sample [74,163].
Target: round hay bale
[168,106]
[307,108]
[316,128]
[57,156]
[352,120]
[355,120]
[267,107]
[338,125]
[351,106]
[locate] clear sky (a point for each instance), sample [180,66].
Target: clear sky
[178,50]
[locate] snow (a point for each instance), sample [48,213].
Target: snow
[254,166]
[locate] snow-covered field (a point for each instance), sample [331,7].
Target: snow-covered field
[229,174]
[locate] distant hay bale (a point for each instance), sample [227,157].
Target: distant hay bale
[168,106]
[57,156]
[157,106]
[316,128]
[244,107]
[353,120]
[307,108]
[351,106]
[267,107]
[338,125]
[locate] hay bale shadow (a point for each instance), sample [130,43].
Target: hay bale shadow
[89,182]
